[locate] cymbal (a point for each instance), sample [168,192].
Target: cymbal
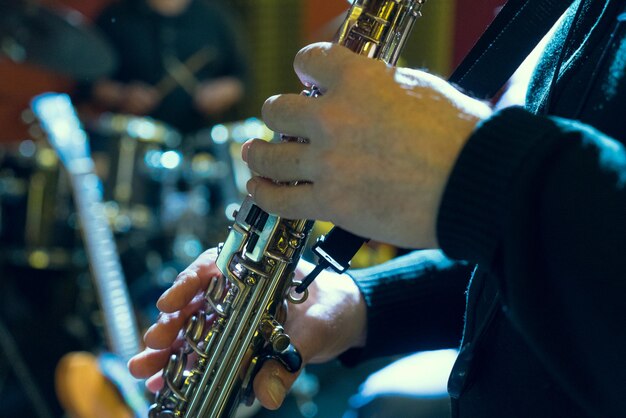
[57,40]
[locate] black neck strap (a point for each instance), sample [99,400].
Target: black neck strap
[510,38]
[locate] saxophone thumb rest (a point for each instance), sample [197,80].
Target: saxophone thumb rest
[333,250]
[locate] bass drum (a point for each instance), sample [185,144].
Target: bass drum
[38,226]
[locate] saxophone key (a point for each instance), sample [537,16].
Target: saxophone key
[195,332]
[274,334]
[174,373]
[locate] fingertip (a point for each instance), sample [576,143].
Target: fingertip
[131,365]
[147,335]
[184,288]
[313,48]
[244,149]
[316,64]
[161,334]
[267,106]
[136,368]
[169,302]
[276,392]
[163,304]
[271,393]
[272,383]
[250,150]
[147,362]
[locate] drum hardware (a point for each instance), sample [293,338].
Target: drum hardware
[216,159]
[122,222]
[137,160]
[198,215]
[39,227]
[145,129]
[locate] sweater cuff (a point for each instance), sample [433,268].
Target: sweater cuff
[414,302]
[476,198]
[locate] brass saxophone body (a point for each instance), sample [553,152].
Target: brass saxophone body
[241,326]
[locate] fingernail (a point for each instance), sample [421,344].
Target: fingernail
[163,297]
[276,390]
[244,149]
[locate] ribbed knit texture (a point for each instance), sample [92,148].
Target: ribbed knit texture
[475,200]
[425,294]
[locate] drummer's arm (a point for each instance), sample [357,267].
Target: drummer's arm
[136,97]
[218,95]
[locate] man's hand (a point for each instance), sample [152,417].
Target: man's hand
[139,98]
[217,96]
[382,143]
[330,321]
[136,98]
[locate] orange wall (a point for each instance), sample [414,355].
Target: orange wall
[320,22]
[471,20]
[19,82]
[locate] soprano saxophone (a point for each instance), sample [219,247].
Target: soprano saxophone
[246,305]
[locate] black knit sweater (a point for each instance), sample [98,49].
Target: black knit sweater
[537,200]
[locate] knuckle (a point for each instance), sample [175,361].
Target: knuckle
[328,120]
[209,255]
[270,159]
[335,51]
[292,208]
[183,275]
[319,207]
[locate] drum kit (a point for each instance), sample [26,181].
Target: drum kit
[166,197]
[157,185]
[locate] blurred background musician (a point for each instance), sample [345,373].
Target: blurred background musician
[180,62]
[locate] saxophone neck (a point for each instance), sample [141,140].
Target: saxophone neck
[379,28]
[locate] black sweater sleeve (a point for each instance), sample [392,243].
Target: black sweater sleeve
[541,203]
[414,302]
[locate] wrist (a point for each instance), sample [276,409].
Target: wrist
[356,301]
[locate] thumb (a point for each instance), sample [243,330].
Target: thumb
[272,383]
